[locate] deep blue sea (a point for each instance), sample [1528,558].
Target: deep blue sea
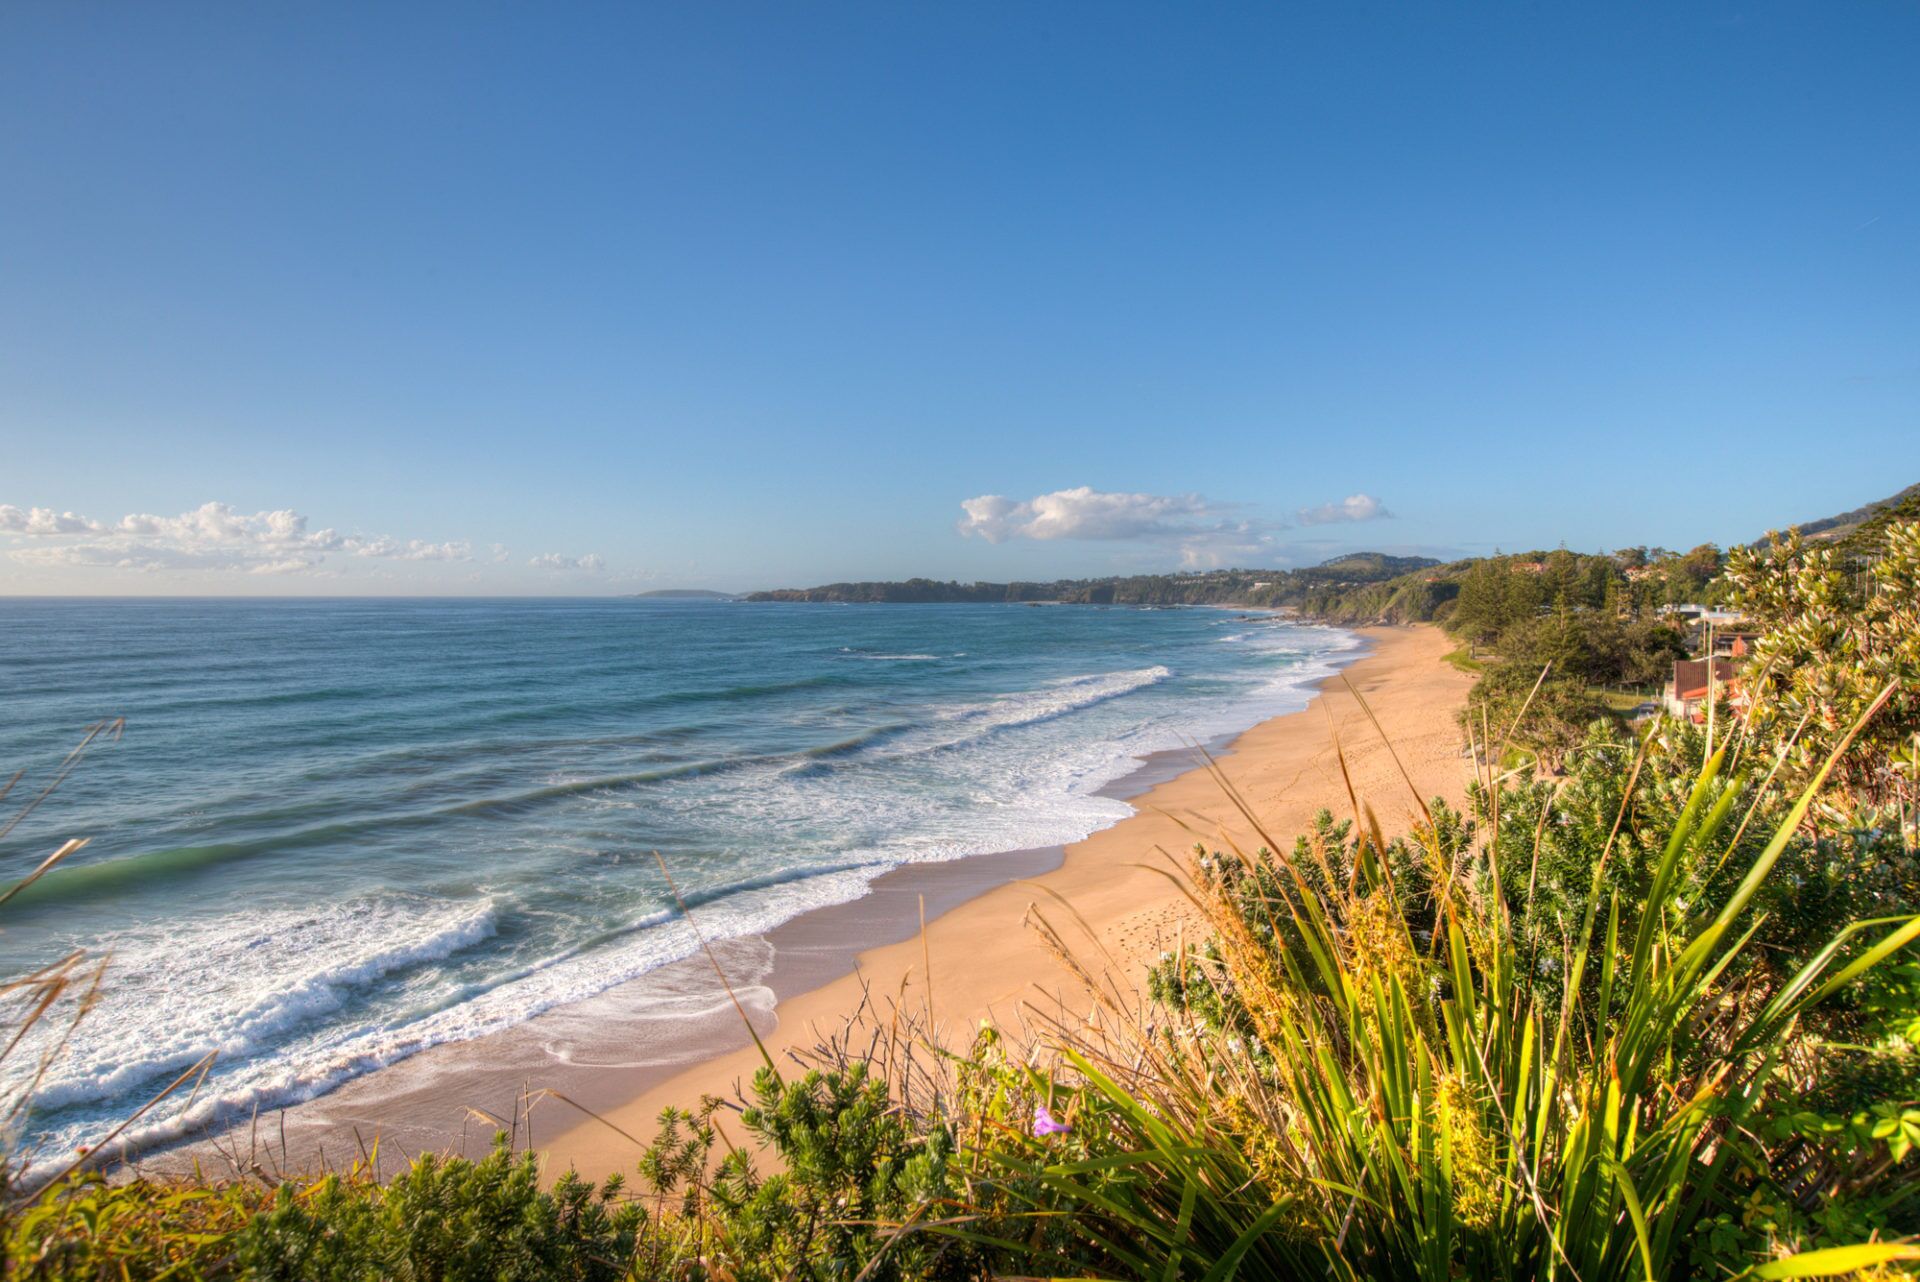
[338,832]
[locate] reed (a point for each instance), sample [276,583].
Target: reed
[40,1011]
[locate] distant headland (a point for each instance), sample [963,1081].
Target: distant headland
[1200,587]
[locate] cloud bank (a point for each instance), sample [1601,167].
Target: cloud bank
[1199,529]
[213,536]
[412,549]
[591,563]
[1354,507]
[1205,534]
[1083,513]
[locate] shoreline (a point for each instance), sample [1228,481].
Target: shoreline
[1134,911]
[673,1035]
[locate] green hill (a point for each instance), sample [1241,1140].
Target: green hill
[1198,587]
[1865,521]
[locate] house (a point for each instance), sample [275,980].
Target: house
[1686,693]
[1734,645]
[1701,623]
[1705,614]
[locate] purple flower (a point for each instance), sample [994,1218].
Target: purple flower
[1044,1123]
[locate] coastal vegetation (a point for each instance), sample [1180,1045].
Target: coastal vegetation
[1199,587]
[1860,529]
[1838,623]
[1646,1007]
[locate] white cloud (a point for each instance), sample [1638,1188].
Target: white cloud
[43,522]
[288,565]
[220,524]
[1194,526]
[213,536]
[1241,543]
[591,563]
[1083,513]
[1355,507]
[500,554]
[149,558]
[411,550]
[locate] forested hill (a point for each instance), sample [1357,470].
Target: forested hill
[1204,587]
[1855,529]
[1367,587]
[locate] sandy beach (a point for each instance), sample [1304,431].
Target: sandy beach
[673,1035]
[985,963]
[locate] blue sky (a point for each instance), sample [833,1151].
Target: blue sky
[521,298]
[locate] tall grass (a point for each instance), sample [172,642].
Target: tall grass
[1365,1083]
[40,1011]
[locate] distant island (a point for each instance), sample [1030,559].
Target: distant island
[685,594]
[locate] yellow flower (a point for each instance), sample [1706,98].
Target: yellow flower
[1470,1154]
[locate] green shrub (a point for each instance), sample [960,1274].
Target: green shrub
[88,1228]
[448,1220]
[852,1168]
[1834,636]
[1536,1048]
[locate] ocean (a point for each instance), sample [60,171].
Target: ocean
[338,832]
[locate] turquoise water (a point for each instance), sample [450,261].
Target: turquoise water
[338,832]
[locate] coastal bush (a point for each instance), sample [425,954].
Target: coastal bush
[449,1220]
[845,1169]
[1545,691]
[1595,647]
[1432,1059]
[87,1228]
[1602,827]
[1834,634]
[1534,709]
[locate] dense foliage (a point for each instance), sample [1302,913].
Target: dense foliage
[1836,631]
[1573,867]
[443,1219]
[849,1165]
[1198,587]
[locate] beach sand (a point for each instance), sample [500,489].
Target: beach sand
[985,964]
